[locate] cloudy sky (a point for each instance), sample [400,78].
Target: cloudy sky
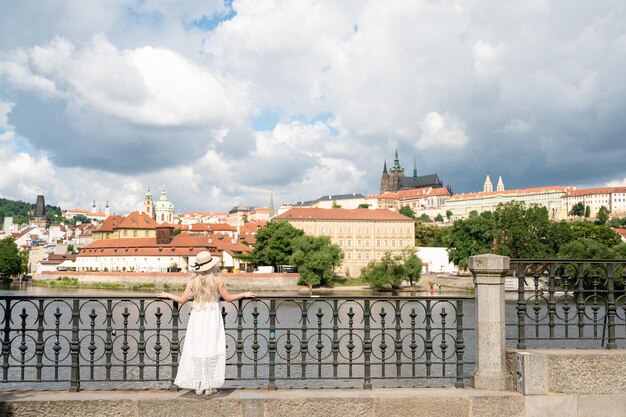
[223,102]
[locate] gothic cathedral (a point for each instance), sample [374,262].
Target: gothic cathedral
[394,179]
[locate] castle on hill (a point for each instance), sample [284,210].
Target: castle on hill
[394,180]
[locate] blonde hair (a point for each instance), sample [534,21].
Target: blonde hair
[204,287]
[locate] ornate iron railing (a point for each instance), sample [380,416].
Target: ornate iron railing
[48,341]
[571,303]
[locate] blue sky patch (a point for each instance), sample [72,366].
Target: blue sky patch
[209,23]
[266,120]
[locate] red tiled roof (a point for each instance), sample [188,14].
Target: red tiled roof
[598,190]
[110,223]
[222,227]
[181,244]
[341,214]
[136,220]
[523,191]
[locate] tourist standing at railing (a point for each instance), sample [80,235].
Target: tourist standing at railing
[203,359]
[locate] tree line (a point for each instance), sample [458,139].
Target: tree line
[22,211]
[518,231]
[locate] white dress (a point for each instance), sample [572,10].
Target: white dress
[203,360]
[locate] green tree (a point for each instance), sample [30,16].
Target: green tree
[412,266]
[24,261]
[521,232]
[336,205]
[439,218]
[587,212]
[316,259]
[603,216]
[471,236]
[586,249]
[363,205]
[601,234]
[70,248]
[431,236]
[407,211]
[10,260]
[448,214]
[80,218]
[386,274]
[578,209]
[559,233]
[424,218]
[274,243]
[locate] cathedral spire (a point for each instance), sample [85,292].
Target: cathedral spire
[385,167]
[396,163]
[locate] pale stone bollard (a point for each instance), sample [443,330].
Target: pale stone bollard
[488,272]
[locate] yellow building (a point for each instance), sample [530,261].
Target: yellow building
[134,225]
[362,234]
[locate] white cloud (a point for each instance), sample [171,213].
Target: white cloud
[486,59]
[441,131]
[147,85]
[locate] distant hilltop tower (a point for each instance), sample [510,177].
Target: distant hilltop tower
[393,180]
[40,219]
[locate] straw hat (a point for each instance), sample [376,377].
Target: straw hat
[204,261]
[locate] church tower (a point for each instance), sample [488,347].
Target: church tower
[163,209]
[107,210]
[488,186]
[500,186]
[148,205]
[94,210]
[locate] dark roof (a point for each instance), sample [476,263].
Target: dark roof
[431,180]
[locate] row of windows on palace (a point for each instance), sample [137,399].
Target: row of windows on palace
[380,243]
[359,230]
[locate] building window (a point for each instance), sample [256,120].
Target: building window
[358,256]
[349,256]
[385,242]
[330,229]
[358,229]
[377,255]
[340,229]
[147,233]
[349,229]
[349,242]
[125,232]
[367,243]
[378,243]
[393,243]
[321,229]
[367,256]
[340,242]
[358,242]
[134,233]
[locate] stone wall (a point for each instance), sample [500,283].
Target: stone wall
[240,281]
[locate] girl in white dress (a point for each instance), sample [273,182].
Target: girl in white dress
[203,360]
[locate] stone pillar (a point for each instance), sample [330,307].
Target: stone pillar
[488,272]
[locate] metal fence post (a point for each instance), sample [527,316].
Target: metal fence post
[75,348]
[488,272]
